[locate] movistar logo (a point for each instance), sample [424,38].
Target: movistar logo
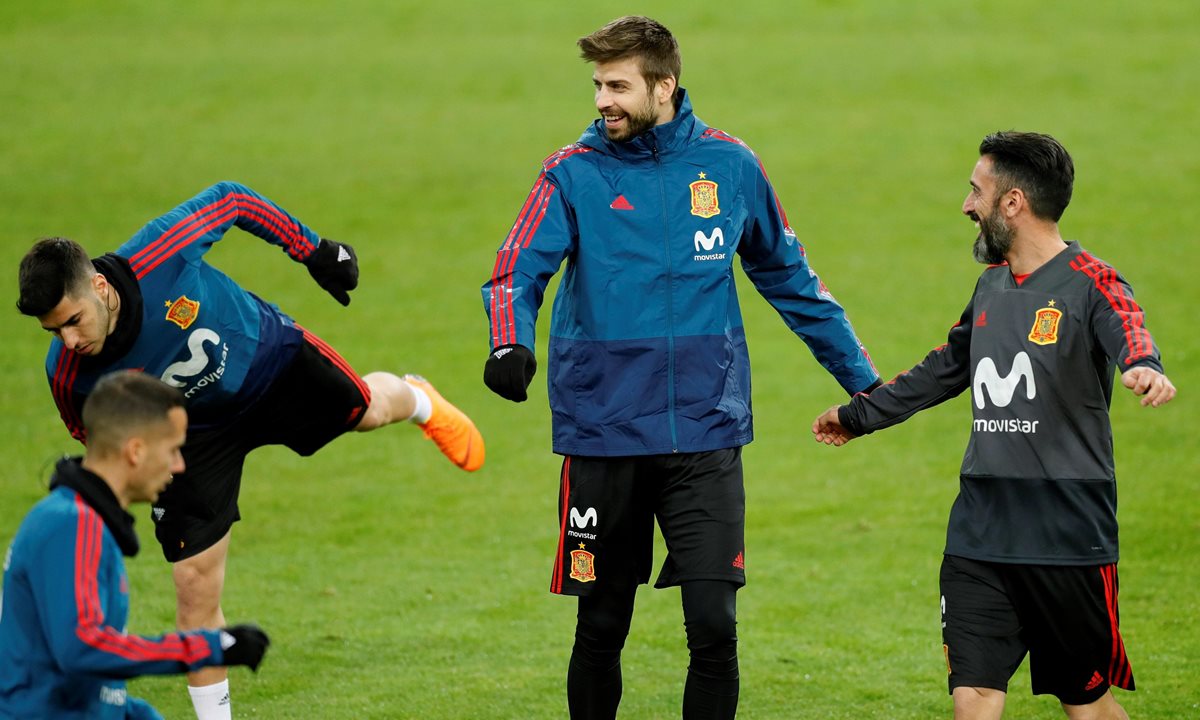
[705,243]
[182,373]
[582,521]
[1002,389]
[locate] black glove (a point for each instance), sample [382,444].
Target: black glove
[334,266]
[508,371]
[244,645]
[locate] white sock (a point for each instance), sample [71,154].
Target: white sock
[424,406]
[211,702]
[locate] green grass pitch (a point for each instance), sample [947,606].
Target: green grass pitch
[394,585]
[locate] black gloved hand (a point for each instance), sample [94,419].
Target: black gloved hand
[334,266]
[509,370]
[244,645]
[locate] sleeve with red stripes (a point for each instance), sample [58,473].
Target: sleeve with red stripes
[191,229]
[543,234]
[61,368]
[776,263]
[943,374]
[77,571]
[1117,320]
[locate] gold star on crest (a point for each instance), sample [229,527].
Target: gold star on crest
[702,176]
[582,546]
[1051,303]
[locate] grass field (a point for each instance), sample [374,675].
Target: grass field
[395,586]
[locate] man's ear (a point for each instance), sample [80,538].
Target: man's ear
[664,90]
[134,451]
[1013,202]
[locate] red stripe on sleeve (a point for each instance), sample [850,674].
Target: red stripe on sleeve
[181,241]
[1104,277]
[183,227]
[66,368]
[502,312]
[285,227]
[194,226]
[89,544]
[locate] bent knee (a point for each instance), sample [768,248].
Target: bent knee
[978,702]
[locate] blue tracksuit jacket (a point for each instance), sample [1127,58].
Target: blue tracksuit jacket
[64,653]
[647,351]
[197,329]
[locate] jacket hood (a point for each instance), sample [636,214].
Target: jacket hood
[665,138]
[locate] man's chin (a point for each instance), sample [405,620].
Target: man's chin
[618,135]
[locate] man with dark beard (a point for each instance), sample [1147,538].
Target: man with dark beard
[649,373]
[1030,564]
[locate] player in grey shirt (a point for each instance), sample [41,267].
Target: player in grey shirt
[1031,548]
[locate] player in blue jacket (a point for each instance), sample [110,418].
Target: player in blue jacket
[64,652]
[649,375]
[250,374]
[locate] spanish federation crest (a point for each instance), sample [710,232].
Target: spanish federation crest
[183,312]
[704,198]
[583,565]
[1045,325]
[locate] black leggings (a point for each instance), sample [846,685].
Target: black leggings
[709,614]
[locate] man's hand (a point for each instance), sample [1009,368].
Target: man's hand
[244,645]
[1153,386]
[334,266]
[509,370]
[828,429]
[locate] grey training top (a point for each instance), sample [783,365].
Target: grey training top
[1037,483]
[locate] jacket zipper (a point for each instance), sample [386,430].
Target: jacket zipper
[662,186]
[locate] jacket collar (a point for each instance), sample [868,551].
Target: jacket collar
[666,138]
[70,473]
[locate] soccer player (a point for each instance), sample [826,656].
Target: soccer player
[649,374]
[64,652]
[251,376]
[1030,565]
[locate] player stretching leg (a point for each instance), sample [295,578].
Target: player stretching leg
[251,376]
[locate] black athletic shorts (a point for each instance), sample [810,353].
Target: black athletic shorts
[607,508]
[1065,617]
[316,398]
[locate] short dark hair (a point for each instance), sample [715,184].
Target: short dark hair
[635,36]
[54,268]
[124,403]
[1036,163]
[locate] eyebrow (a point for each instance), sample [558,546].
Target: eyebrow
[73,320]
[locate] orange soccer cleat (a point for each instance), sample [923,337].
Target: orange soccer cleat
[450,428]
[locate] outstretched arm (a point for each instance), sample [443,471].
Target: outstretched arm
[776,263]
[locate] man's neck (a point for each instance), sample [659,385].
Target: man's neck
[110,472]
[1033,249]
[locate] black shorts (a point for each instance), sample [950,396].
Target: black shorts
[607,508]
[1065,617]
[316,398]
